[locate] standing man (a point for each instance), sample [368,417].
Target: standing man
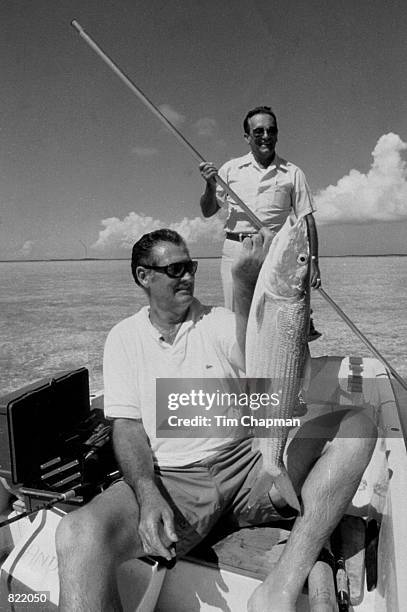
[268,184]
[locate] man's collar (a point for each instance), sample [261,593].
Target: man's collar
[249,160]
[194,313]
[195,310]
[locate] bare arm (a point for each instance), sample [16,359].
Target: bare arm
[209,203]
[156,524]
[315,275]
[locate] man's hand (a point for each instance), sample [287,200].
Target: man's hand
[156,525]
[208,172]
[246,267]
[208,202]
[156,520]
[315,274]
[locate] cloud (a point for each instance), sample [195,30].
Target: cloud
[172,115]
[144,151]
[26,249]
[206,127]
[198,229]
[122,233]
[377,196]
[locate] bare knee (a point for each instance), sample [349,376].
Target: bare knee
[87,561]
[106,528]
[359,435]
[77,532]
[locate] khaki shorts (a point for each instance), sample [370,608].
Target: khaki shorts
[203,492]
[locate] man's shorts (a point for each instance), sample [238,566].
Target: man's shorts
[203,492]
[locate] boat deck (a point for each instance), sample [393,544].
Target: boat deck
[221,575]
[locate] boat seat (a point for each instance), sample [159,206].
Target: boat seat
[252,551]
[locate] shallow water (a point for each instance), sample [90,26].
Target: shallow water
[55,315]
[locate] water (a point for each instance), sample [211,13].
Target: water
[55,315]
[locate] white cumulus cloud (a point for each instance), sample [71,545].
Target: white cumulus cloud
[206,127]
[172,115]
[377,196]
[123,233]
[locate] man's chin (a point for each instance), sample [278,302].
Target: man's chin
[185,295]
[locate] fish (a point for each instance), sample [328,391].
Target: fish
[277,351]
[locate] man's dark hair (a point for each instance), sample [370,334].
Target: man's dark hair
[259,110]
[142,253]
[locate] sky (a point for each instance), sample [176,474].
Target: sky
[86,168]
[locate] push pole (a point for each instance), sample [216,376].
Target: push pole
[254,219]
[156,111]
[363,338]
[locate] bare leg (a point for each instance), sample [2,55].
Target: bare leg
[326,492]
[91,542]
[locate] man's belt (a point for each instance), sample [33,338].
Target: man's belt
[239,237]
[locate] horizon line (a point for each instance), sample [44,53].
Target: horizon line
[51,259]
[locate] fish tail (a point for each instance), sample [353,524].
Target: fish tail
[282,482]
[285,487]
[262,485]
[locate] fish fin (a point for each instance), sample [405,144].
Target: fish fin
[255,445]
[260,309]
[307,371]
[262,484]
[285,487]
[300,407]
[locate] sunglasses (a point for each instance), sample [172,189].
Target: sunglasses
[259,132]
[176,269]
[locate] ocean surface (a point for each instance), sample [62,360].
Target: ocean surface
[55,315]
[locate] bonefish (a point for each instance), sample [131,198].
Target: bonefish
[277,347]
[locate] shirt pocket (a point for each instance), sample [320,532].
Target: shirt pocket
[280,197]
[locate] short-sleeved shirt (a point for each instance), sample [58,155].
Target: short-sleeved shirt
[136,355]
[269,192]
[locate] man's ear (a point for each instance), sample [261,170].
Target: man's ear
[143,276]
[246,137]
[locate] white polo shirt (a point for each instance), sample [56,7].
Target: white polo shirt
[135,355]
[269,192]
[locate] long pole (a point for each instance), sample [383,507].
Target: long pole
[156,111]
[362,337]
[254,219]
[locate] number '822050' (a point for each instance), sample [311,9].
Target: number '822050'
[28,598]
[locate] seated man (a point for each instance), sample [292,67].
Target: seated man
[174,490]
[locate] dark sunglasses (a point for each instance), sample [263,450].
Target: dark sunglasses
[259,132]
[176,269]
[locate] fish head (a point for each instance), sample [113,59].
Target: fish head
[285,269]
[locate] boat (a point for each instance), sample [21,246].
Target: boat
[223,572]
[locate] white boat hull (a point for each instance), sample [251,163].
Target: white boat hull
[193,586]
